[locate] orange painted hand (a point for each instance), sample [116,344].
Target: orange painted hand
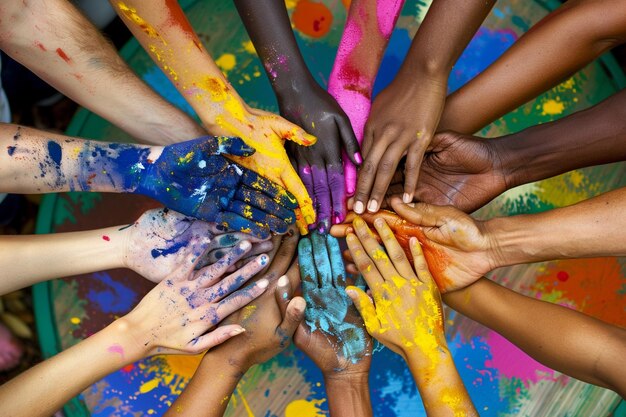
[404,312]
[265,132]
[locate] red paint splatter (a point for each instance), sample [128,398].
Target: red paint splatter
[63,56]
[77,76]
[105,237]
[562,276]
[40,46]
[128,368]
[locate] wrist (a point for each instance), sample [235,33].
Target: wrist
[127,338]
[346,378]
[516,240]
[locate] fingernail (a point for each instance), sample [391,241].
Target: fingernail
[350,189]
[337,219]
[407,198]
[412,205]
[379,222]
[283,281]
[245,244]
[263,259]
[358,158]
[351,293]
[372,206]
[237,331]
[358,207]
[263,283]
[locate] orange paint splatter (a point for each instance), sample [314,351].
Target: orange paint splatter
[592,286]
[63,55]
[312,19]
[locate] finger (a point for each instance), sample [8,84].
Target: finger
[232,146]
[421,267]
[336,182]
[294,185]
[363,262]
[257,216]
[336,262]
[270,188]
[234,221]
[347,256]
[414,158]
[238,299]
[341,230]
[386,168]
[323,201]
[367,175]
[350,176]
[321,260]
[293,273]
[209,275]
[214,338]
[421,214]
[308,272]
[306,175]
[348,138]
[283,257]
[294,133]
[394,250]
[265,203]
[365,307]
[292,318]
[282,294]
[368,140]
[237,279]
[374,250]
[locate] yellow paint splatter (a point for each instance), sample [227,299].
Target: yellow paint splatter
[248,46]
[183,365]
[290,4]
[226,62]
[304,408]
[186,159]
[247,312]
[131,13]
[552,107]
[75,320]
[149,386]
[245,404]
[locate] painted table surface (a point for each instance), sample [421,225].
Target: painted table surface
[501,380]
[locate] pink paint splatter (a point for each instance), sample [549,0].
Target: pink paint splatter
[116,348]
[512,362]
[105,237]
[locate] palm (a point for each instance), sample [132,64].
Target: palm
[462,171]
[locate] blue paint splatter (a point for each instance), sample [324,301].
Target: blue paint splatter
[11,150]
[55,152]
[115,298]
[169,250]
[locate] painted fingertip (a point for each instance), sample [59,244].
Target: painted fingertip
[263,259]
[283,281]
[372,206]
[338,219]
[358,158]
[359,208]
[407,198]
[263,283]
[309,219]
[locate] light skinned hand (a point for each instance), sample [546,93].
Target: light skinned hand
[402,122]
[180,314]
[333,334]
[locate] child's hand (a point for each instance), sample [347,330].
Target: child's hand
[402,122]
[174,316]
[333,334]
[164,243]
[320,166]
[196,179]
[404,312]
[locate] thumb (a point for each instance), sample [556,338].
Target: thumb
[365,307]
[350,144]
[294,314]
[233,145]
[421,214]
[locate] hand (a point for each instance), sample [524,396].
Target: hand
[266,132]
[174,316]
[163,243]
[463,171]
[405,311]
[320,165]
[403,120]
[333,334]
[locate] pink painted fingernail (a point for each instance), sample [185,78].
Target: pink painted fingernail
[358,158]
[359,207]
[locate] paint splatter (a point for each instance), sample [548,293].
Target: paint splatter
[312,18]
[110,296]
[304,408]
[63,56]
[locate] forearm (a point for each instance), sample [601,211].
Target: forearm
[590,137]
[348,395]
[210,389]
[551,51]
[27,260]
[40,162]
[43,389]
[592,228]
[441,388]
[54,40]
[269,28]
[541,329]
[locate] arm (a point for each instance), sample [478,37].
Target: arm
[404,313]
[468,172]
[165,33]
[54,40]
[302,101]
[191,177]
[541,330]
[269,326]
[368,28]
[202,300]
[562,43]
[333,335]
[406,114]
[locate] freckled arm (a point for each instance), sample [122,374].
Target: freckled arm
[565,340]
[54,40]
[559,45]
